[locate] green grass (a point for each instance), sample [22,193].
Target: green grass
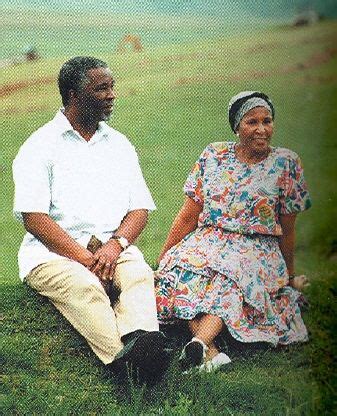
[172,102]
[48,368]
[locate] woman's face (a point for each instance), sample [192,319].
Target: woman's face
[255,129]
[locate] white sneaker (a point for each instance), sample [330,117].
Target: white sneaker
[216,362]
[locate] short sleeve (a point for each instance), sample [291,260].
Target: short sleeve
[139,196]
[193,187]
[294,194]
[32,182]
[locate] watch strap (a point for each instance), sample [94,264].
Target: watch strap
[123,242]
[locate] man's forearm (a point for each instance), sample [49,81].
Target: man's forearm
[133,224]
[55,238]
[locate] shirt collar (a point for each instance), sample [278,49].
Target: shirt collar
[103,128]
[61,122]
[64,126]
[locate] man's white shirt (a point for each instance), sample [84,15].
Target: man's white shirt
[86,187]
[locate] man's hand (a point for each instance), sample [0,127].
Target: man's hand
[105,260]
[105,257]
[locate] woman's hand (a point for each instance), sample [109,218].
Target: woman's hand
[299,282]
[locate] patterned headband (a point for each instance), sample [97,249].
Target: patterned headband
[249,105]
[237,108]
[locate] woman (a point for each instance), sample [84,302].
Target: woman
[228,261]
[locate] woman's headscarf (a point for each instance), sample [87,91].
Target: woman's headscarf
[243,102]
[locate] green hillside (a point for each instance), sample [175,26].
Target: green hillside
[74,33]
[70,27]
[172,101]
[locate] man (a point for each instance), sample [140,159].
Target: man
[78,182]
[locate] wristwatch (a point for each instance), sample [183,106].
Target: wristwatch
[123,242]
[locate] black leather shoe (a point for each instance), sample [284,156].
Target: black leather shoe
[191,356]
[145,358]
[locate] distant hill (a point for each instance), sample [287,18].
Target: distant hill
[68,27]
[221,8]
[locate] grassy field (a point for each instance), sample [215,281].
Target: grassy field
[172,102]
[86,29]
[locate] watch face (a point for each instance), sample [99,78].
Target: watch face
[123,242]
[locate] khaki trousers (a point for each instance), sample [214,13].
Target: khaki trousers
[80,297]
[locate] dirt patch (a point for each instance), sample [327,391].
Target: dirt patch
[327,37]
[313,61]
[129,40]
[199,80]
[9,89]
[265,47]
[316,59]
[172,59]
[14,111]
[318,80]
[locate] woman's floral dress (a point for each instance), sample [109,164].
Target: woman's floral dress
[231,266]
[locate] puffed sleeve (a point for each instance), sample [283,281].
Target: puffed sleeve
[31,176]
[193,187]
[294,192]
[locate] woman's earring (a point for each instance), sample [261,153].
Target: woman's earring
[237,133]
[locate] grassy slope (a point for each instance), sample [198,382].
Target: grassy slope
[172,103]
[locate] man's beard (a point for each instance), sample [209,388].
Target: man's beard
[106,117]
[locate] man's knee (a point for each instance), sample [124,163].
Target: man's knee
[133,272]
[63,278]
[132,269]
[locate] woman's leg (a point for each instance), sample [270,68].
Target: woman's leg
[206,328]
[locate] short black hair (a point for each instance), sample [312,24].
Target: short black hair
[73,74]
